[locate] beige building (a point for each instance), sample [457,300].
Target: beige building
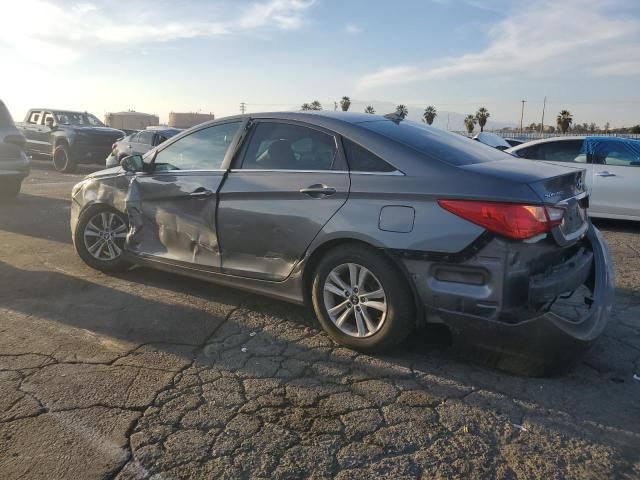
[130,120]
[188,120]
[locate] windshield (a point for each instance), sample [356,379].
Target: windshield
[77,118]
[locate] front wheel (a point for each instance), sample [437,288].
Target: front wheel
[362,300]
[62,160]
[100,236]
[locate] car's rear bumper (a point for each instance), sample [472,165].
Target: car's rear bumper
[510,325]
[18,168]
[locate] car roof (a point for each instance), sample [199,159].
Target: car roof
[57,110]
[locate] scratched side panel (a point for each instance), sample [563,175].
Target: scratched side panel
[169,223]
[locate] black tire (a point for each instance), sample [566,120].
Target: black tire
[62,160]
[10,188]
[400,314]
[80,243]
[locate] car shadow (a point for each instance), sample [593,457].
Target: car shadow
[625,226]
[240,329]
[37,216]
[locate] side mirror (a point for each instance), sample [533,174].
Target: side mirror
[132,163]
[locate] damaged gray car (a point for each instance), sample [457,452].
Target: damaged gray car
[380,224]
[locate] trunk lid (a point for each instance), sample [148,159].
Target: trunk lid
[551,183]
[555,185]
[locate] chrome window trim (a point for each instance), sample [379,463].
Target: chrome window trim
[173,172]
[395,173]
[276,170]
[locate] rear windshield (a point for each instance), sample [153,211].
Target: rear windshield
[448,147]
[5,117]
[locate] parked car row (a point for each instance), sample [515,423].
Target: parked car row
[379,224]
[611,164]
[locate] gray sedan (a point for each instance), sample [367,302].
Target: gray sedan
[379,224]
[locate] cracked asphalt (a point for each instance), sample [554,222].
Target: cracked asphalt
[152,375]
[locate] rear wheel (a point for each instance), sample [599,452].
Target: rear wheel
[62,160]
[362,300]
[10,188]
[100,236]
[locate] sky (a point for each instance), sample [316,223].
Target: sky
[158,56]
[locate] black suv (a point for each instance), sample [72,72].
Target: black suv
[67,137]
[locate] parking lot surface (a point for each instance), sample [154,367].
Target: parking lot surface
[148,374]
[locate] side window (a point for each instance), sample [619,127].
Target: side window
[529,152]
[48,115]
[562,151]
[202,150]
[282,146]
[134,138]
[622,158]
[34,117]
[145,137]
[362,160]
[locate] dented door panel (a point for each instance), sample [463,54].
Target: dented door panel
[267,222]
[173,217]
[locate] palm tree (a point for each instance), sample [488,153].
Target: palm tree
[369,109]
[345,103]
[316,105]
[564,120]
[402,111]
[482,115]
[305,106]
[429,115]
[470,123]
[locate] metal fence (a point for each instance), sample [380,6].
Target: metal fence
[527,136]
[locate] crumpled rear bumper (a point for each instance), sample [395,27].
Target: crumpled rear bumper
[549,338]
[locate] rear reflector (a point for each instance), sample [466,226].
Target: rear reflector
[512,220]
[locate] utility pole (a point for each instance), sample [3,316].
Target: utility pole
[243,107]
[335,106]
[522,115]
[447,122]
[544,104]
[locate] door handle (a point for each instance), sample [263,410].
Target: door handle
[318,190]
[201,193]
[605,174]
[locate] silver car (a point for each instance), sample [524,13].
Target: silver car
[612,166]
[379,224]
[138,143]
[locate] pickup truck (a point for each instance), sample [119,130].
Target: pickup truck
[67,137]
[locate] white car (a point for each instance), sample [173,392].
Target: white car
[612,164]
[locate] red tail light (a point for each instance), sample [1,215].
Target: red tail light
[512,220]
[113,147]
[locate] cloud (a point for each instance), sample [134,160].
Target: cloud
[46,31]
[352,29]
[550,37]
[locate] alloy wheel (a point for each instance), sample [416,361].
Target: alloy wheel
[355,300]
[104,236]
